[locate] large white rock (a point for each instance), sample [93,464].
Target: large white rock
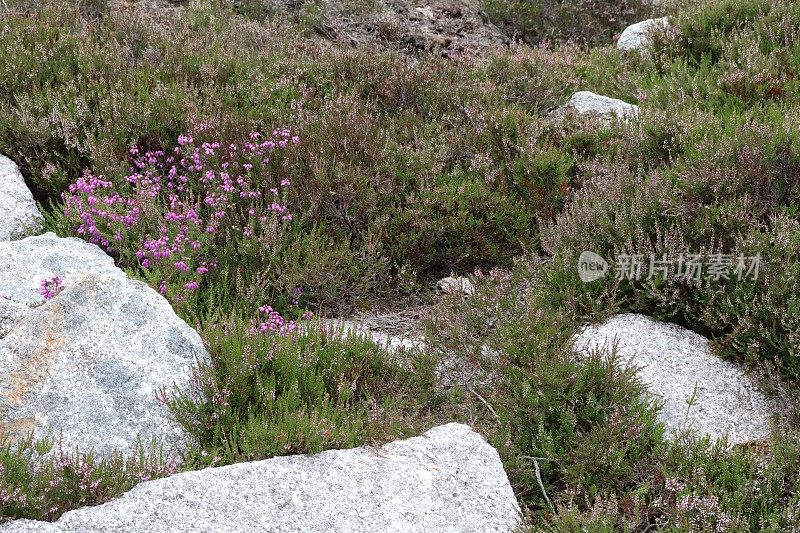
[586,103]
[448,479]
[87,364]
[19,216]
[675,364]
[637,36]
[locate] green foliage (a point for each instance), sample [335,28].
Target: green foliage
[586,21]
[267,395]
[603,461]
[460,225]
[416,166]
[43,487]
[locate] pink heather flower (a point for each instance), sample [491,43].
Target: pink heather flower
[224,197]
[191,286]
[48,288]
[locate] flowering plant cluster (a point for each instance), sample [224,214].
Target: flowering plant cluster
[35,487]
[48,288]
[175,211]
[273,322]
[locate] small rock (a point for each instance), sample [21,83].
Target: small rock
[449,479]
[672,363]
[586,103]
[87,363]
[454,284]
[637,36]
[392,343]
[19,216]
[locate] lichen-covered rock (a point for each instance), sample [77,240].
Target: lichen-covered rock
[637,36]
[586,103]
[87,363]
[675,365]
[448,479]
[19,216]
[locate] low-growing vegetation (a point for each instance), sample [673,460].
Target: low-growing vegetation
[43,489]
[279,387]
[230,155]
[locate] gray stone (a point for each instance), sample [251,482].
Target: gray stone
[637,36]
[675,364]
[19,216]
[391,343]
[11,312]
[24,263]
[448,479]
[87,364]
[453,284]
[586,103]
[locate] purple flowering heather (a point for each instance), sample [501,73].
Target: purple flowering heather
[174,210]
[48,288]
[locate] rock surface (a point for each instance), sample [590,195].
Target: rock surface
[448,479]
[453,284]
[19,216]
[586,103]
[637,36]
[672,362]
[87,363]
[392,343]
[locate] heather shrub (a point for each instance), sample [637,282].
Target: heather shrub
[460,225]
[580,443]
[581,425]
[525,158]
[40,488]
[730,192]
[537,78]
[278,387]
[86,97]
[699,486]
[588,21]
[705,28]
[184,214]
[378,130]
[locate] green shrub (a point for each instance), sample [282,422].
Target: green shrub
[43,487]
[303,391]
[587,21]
[459,226]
